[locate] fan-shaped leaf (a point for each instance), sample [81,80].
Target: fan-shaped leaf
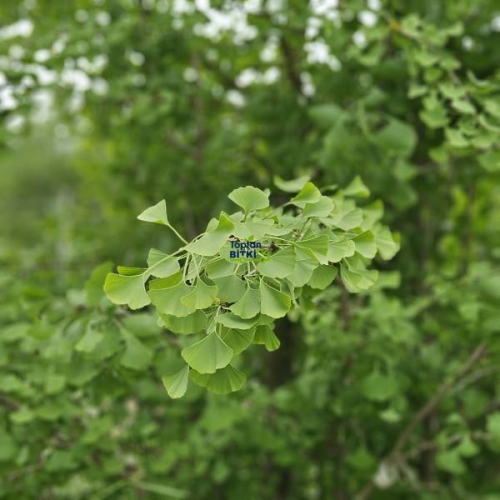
[208,355]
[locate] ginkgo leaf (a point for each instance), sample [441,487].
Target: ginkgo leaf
[137,356]
[166,294]
[321,208]
[223,381]
[249,305]
[249,198]
[264,335]
[212,241]
[219,268]
[322,277]
[365,244]
[89,341]
[208,355]
[273,302]
[176,383]
[230,288]
[193,323]
[156,214]
[317,247]
[238,340]
[357,280]
[128,290]
[308,194]
[305,264]
[387,243]
[279,265]
[201,297]
[230,320]
[162,265]
[338,250]
[357,188]
[292,186]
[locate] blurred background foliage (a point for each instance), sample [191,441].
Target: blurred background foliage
[108,106]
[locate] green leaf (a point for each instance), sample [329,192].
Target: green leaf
[308,194]
[397,136]
[201,297]
[264,335]
[94,285]
[321,208]
[378,387]
[456,138]
[467,447]
[249,198]
[273,302]
[356,280]
[365,244]
[230,320]
[435,118]
[8,447]
[166,295]
[219,268]
[230,288]
[490,161]
[304,268]
[193,323]
[338,250]
[249,305]
[156,214]
[224,381]
[387,244]
[357,188]
[278,265]
[212,241]
[292,186]
[176,383]
[128,290]
[450,461]
[238,340]
[464,106]
[322,277]
[208,355]
[316,247]
[137,356]
[493,425]
[326,115]
[89,341]
[162,265]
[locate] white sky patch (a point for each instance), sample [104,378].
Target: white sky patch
[367,18]
[3,79]
[190,75]
[252,6]
[275,5]
[136,58]
[235,98]
[247,77]
[76,78]
[15,122]
[313,27]
[100,86]
[270,51]
[103,18]
[359,39]
[374,4]
[321,7]
[182,7]
[467,43]
[82,16]
[308,88]
[271,75]
[16,52]
[41,55]
[22,28]
[7,99]
[495,24]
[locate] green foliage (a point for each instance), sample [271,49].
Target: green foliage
[294,260]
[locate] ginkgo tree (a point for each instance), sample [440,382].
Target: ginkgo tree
[201,290]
